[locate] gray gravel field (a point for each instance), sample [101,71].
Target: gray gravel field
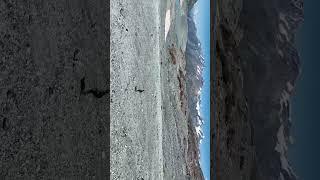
[136,118]
[151,137]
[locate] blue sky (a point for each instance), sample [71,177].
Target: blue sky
[202,19]
[304,153]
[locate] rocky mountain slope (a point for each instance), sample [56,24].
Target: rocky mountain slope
[181,82]
[194,82]
[257,68]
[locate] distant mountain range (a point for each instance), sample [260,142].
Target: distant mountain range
[257,70]
[194,68]
[194,82]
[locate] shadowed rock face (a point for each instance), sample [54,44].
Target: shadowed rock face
[255,43]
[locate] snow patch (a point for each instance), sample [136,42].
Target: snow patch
[281,177]
[282,148]
[280,53]
[284,31]
[283,19]
[289,86]
[199,122]
[181,3]
[167,23]
[284,102]
[285,97]
[198,130]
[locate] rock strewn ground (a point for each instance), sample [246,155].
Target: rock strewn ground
[136,114]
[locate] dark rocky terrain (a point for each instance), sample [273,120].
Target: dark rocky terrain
[257,67]
[54,89]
